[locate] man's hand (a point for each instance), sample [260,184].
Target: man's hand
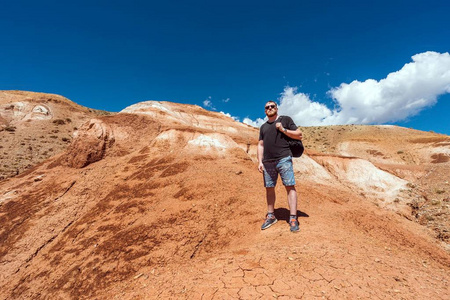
[297,134]
[260,167]
[279,126]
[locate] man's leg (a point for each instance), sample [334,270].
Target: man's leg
[270,217]
[270,197]
[286,170]
[270,181]
[292,199]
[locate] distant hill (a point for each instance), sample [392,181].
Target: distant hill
[164,200]
[36,126]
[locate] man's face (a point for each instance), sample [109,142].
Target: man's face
[271,109]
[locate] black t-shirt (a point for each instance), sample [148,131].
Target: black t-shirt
[275,142]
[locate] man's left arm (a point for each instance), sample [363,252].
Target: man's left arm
[293,134]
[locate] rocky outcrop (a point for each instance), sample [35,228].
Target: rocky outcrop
[34,127]
[167,203]
[90,144]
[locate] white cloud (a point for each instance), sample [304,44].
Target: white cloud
[228,115]
[301,108]
[400,95]
[226,100]
[208,103]
[247,121]
[256,123]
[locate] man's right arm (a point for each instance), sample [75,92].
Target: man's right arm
[260,153]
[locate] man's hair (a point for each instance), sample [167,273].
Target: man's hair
[270,101]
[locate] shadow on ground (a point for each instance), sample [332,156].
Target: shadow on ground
[283,214]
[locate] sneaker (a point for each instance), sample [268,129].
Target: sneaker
[268,222]
[295,226]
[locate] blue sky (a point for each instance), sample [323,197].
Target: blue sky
[237,55]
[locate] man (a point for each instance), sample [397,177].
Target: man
[275,157]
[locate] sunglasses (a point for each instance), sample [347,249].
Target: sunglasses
[270,106]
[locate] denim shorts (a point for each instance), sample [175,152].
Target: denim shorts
[283,167]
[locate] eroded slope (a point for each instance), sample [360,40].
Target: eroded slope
[166,202]
[36,126]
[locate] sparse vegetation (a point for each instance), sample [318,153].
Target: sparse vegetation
[435,202]
[10,128]
[29,139]
[59,122]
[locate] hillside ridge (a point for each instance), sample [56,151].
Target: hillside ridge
[165,200]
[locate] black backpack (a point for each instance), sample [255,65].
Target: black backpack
[296,146]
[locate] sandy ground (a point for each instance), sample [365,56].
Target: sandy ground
[134,209]
[36,126]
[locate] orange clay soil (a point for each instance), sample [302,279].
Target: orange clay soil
[164,201]
[36,126]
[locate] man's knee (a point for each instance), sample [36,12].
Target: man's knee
[290,188]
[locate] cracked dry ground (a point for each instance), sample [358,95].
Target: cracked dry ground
[182,238]
[342,252]
[345,250]
[147,223]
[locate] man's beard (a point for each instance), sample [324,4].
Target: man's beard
[271,113]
